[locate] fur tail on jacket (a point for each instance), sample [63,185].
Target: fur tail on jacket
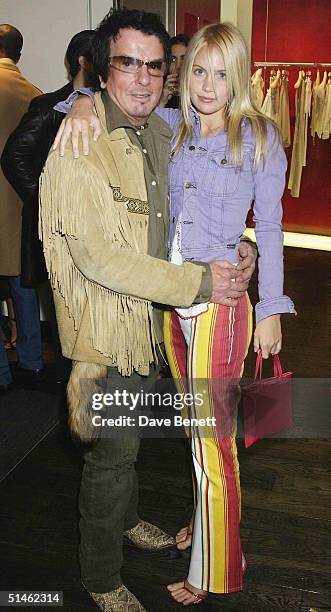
[81,386]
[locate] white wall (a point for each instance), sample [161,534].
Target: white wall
[240,13]
[47,27]
[99,8]
[245,20]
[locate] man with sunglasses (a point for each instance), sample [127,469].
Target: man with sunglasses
[104,226]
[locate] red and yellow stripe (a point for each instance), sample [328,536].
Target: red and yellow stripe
[211,357]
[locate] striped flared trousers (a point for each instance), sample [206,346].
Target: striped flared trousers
[206,356]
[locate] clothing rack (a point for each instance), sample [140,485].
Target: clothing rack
[313,64]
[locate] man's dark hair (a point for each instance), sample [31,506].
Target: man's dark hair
[80,44]
[123,19]
[11,42]
[180,39]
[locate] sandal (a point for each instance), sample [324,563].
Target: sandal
[188,536]
[187,596]
[198,596]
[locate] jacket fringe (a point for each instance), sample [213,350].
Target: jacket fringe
[121,324]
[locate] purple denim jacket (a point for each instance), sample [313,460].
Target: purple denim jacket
[212,197]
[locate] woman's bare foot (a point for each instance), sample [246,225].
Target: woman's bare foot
[186,594]
[184,538]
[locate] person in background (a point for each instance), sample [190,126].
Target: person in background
[22,161]
[16,92]
[170,95]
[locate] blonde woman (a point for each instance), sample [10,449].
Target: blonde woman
[225,155]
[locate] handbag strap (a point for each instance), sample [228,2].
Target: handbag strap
[258,366]
[278,371]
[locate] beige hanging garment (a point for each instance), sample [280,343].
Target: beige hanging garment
[326,119]
[258,88]
[320,103]
[298,150]
[267,107]
[275,94]
[314,104]
[284,112]
[271,101]
[307,109]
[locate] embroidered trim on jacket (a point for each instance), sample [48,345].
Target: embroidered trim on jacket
[133,205]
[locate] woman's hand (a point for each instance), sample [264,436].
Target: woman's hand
[268,336]
[78,121]
[170,88]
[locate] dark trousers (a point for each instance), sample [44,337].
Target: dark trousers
[109,497]
[26,307]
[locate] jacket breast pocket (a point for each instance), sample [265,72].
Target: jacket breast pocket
[221,177]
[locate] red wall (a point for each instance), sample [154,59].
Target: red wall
[299,30]
[207,10]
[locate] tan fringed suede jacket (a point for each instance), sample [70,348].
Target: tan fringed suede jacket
[93,222]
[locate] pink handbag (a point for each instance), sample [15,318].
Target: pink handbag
[267,403]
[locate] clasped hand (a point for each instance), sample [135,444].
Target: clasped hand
[231,282]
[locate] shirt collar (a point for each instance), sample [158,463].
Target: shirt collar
[6,61]
[115,117]
[197,119]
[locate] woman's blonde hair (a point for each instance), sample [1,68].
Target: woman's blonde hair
[226,38]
